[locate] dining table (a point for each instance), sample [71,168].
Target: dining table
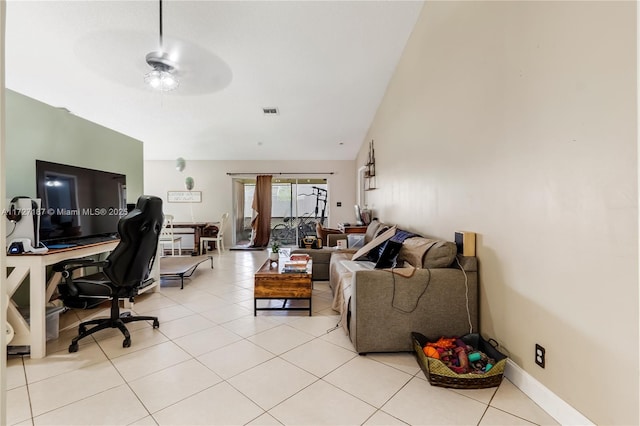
[198,231]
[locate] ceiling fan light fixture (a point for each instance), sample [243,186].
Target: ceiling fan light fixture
[161,80]
[161,77]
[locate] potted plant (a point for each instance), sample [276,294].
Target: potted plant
[275,249]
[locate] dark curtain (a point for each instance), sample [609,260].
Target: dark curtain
[261,223]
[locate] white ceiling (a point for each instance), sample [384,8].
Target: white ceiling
[325,65]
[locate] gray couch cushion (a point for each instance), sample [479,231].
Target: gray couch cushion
[440,255]
[423,252]
[372,229]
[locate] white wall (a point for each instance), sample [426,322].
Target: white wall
[212,179]
[517,120]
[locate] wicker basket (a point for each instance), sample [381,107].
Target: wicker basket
[439,374]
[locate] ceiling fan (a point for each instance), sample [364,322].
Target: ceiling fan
[163,74]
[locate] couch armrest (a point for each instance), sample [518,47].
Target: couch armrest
[386,307]
[332,239]
[468,263]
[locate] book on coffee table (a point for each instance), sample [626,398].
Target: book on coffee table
[295,266]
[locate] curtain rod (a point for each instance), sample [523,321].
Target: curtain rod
[281,173]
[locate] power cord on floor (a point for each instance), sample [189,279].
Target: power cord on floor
[337,326]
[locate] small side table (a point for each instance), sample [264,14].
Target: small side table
[352,229]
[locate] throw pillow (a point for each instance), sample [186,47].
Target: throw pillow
[441,255]
[423,252]
[414,249]
[372,228]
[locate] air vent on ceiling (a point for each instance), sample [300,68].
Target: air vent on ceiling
[270,111]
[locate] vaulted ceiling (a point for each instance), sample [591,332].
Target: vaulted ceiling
[324,65]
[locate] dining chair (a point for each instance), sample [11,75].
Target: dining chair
[168,238]
[218,239]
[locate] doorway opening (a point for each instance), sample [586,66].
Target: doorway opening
[297,204]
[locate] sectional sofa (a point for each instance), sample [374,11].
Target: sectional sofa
[433,291]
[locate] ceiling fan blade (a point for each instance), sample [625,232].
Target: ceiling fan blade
[200,71]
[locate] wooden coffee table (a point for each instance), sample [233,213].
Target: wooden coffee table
[271,283]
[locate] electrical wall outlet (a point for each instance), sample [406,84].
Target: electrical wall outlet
[540,355]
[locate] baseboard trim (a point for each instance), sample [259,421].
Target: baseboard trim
[564,413]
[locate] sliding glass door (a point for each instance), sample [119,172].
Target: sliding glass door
[297,205]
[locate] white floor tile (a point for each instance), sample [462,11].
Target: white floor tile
[339,337]
[369,380]
[317,325]
[420,403]
[205,303]
[218,405]
[380,418]
[150,360]
[495,417]
[237,296]
[173,384]
[15,373]
[264,420]
[62,362]
[322,404]
[140,339]
[249,325]
[235,358]
[280,339]
[272,382]
[55,392]
[207,340]
[318,357]
[18,405]
[511,399]
[170,313]
[117,406]
[64,340]
[147,302]
[404,361]
[145,421]
[227,313]
[185,325]
[482,395]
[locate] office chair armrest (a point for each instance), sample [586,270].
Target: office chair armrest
[73,264]
[66,268]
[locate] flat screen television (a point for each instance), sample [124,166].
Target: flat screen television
[79,203]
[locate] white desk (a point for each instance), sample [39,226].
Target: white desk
[40,291]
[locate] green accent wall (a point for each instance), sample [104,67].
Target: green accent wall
[37,131]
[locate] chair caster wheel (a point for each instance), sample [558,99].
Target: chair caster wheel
[156,323]
[73,347]
[126,343]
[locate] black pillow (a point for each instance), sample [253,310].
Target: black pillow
[389,255]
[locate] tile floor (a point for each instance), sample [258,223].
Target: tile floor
[212,362]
